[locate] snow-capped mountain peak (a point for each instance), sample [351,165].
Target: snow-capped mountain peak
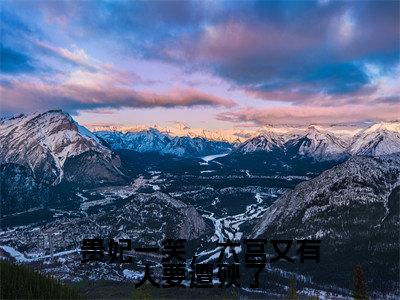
[387,126]
[265,142]
[152,140]
[45,141]
[149,140]
[379,139]
[320,145]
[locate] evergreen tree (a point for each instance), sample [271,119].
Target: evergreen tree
[292,292]
[359,286]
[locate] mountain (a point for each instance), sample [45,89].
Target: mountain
[354,209]
[319,142]
[318,145]
[313,143]
[322,143]
[42,150]
[187,146]
[183,130]
[152,140]
[266,142]
[379,139]
[56,148]
[237,135]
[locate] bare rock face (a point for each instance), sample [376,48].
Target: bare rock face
[193,224]
[354,209]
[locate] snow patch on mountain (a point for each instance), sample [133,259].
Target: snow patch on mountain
[322,143]
[379,139]
[153,140]
[267,142]
[44,142]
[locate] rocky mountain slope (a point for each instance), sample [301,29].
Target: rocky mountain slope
[354,209]
[43,150]
[53,146]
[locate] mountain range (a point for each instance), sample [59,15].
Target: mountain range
[237,135]
[152,140]
[340,186]
[379,139]
[314,141]
[53,148]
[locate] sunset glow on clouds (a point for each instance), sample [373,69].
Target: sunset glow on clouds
[208,64]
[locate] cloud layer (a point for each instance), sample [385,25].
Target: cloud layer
[75,96]
[307,59]
[310,114]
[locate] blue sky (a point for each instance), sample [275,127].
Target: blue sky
[210,64]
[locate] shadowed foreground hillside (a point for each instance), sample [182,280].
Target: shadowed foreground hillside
[22,282]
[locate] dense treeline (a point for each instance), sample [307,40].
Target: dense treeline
[22,282]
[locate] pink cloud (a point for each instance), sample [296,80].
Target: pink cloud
[306,94]
[237,40]
[310,114]
[70,95]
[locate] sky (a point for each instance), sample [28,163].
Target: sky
[208,64]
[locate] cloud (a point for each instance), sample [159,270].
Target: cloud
[101,111]
[303,53]
[80,82]
[318,50]
[310,114]
[76,56]
[71,95]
